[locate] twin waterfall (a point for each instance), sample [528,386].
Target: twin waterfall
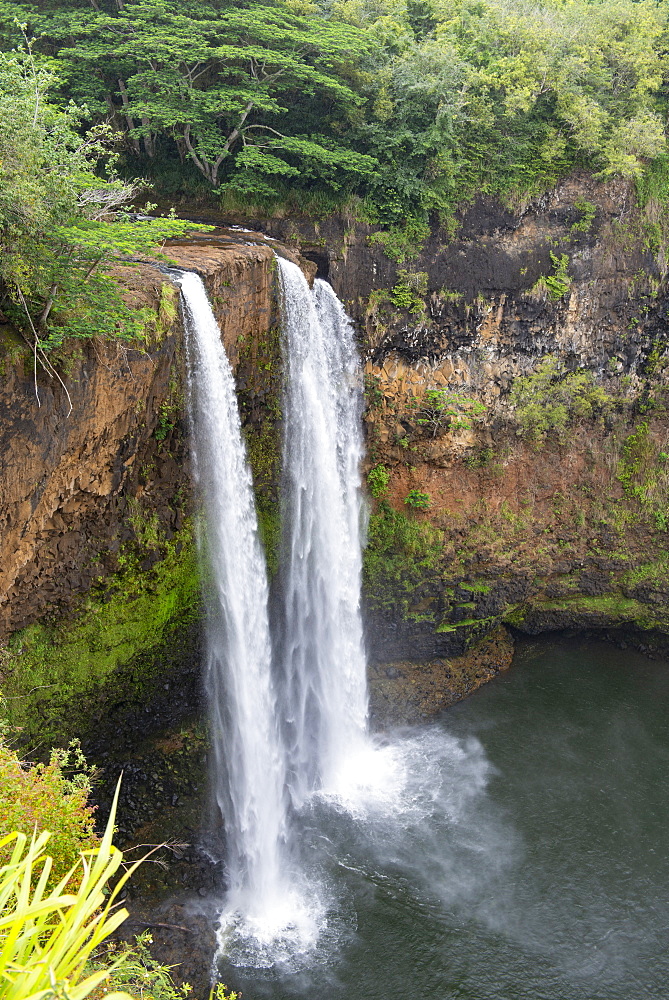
[324,690]
[288,716]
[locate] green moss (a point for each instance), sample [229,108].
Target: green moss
[269,525]
[610,604]
[476,587]
[615,609]
[401,555]
[402,243]
[515,615]
[260,368]
[482,624]
[12,347]
[656,572]
[168,310]
[51,668]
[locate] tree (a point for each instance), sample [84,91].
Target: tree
[218,81]
[61,227]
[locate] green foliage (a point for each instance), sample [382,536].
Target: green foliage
[61,226]
[377,481]
[552,398]
[589,211]
[558,283]
[48,935]
[51,669]
[638,455]
[504,98]
[480,459]
[165,424]
[42,797]
[401,553]
[373,394]
[413,107]
[449,409]
[418,500]
[409,291]
[403,242]
[215,85]
[133,970]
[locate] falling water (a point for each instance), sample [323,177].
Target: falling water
[248,771]
[311,734]
[324,690]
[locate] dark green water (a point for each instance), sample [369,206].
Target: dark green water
[526,855]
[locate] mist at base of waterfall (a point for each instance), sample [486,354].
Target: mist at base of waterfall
[516,848]
[387,797]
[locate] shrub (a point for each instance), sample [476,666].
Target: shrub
[552,397]
[417,500]
[408,292]
[402,243]
[47,936]
[133,970]
[377,480]
[42,797]
[558,283]
[449,409]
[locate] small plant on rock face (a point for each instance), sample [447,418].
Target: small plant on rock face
[418,500]
[377,480]
[588,212]
[373,393]
[449,409]
[558,283]
[409,291]
[552,398]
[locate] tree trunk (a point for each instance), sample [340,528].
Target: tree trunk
[129,119]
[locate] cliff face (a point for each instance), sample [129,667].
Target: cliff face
[540,527]
[480,520]
[98,575]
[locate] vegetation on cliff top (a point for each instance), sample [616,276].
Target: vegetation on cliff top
[397,109]
[411,106]
[62,223]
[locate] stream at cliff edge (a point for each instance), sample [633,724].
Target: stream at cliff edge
[524,854]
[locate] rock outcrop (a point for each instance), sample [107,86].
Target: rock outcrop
[97,566]
[562,529]
[477,525]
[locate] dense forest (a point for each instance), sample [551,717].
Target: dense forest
[398,111]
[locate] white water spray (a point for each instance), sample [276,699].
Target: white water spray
[324,690]
[313,737]
[248,767]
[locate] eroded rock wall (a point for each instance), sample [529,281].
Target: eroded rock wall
[99,587]
[566,529]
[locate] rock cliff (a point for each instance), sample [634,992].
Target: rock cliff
[485,515]
[539,527]
[99,587]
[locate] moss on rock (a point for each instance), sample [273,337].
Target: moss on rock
[585,612]
[51,670]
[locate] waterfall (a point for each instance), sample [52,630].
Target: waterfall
[324,693]
[248,764]
[309,734]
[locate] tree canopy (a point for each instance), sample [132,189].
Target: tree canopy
[61,224]
[412,105]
